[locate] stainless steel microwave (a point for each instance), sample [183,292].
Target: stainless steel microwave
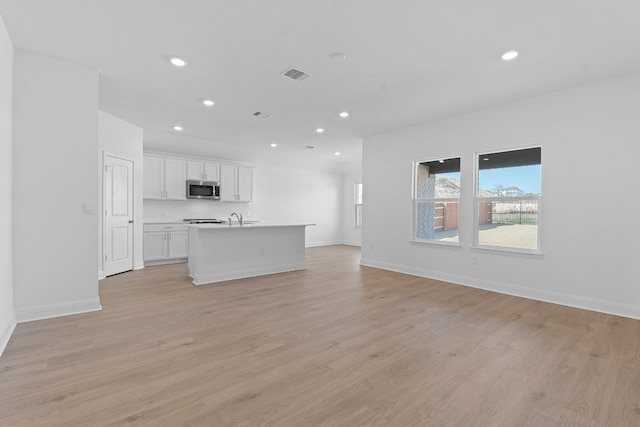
[203,189]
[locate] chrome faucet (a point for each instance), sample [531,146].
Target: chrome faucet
[238,215]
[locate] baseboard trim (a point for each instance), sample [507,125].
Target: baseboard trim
[163,262]
[317,244]
[7,332]
[101,275]
[575,301]
[57,310]
[138,265]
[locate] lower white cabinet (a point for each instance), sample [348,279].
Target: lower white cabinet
[165,243]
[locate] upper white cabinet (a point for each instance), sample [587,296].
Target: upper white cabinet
[204,171]
[236,183]
[245,184]
[164,178]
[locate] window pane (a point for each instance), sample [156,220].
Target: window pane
[358,193]
[503,176]
[510,173]
[357,198]
[508,224]
[437,221]
[438,179]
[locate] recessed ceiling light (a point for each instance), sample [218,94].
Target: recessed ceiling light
[508,56]
[344,114]
[337,153]
[440,161]
[319,130]
[177,128]
[273,145]
[208,102]
[178,62]
[338,56]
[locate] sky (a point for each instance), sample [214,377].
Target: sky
[526,178]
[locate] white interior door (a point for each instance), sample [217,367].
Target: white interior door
[118,221]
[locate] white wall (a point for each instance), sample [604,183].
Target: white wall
[298,196]
[55,197]
[7,313]
[279,195]
[350,234]
[590,138]
[121,139]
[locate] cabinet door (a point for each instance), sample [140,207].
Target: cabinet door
[155,245]
[228,183]
[194,170]
[245,184]
[175,179]
[212,172]
[178,244]
[153,171]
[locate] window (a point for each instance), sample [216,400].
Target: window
[508,199]
[357,200]
[436,200]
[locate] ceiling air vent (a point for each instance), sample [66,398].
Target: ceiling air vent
[261,115]
[295,74]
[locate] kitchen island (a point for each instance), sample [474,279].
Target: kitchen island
[220,252]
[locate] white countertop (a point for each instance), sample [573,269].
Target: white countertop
[163,221]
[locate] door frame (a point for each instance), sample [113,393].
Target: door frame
[103,225]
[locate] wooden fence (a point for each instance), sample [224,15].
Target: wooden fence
[446,215]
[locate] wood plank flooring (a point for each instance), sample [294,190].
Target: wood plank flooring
[335,345]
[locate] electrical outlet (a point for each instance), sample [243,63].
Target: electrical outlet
[474,260]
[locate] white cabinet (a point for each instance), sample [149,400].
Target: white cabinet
[164,178]
[165,243]
[204,171]
[245,184]
[236,183]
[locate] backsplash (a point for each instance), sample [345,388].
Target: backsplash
[180,209]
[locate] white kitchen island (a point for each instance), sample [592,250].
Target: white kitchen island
[219,252]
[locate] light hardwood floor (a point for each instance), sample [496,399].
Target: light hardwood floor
[335,345]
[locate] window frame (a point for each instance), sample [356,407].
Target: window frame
[477,199]
[416,201]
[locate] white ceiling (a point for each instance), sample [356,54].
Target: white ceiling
[407,62]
